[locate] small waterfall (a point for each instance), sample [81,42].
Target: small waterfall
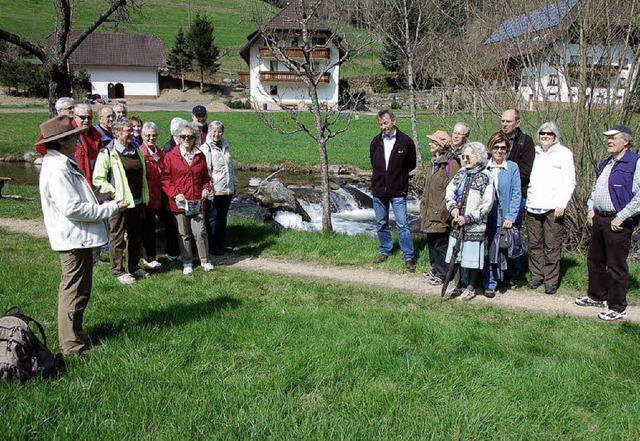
[347,217]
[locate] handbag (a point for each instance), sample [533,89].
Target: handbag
[505,239]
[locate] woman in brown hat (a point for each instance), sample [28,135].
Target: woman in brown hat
[75,225]
[433,212]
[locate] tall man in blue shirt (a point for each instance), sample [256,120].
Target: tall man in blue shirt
[393,156]
[614,211]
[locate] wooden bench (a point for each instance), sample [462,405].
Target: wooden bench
[3,179]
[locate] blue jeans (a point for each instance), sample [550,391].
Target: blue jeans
[216,217]
[381,209]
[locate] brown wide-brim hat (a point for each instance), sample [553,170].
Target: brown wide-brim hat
[56,128]
[442,138]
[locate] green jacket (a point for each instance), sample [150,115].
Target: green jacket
[109,176]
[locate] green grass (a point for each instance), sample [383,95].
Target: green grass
[237,355]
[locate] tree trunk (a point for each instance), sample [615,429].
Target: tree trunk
[59,83]
[201,80]
[321,141]
[412,109]
[182,75]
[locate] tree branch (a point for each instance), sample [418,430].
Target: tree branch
[28,46]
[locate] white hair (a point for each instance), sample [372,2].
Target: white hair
[60,103]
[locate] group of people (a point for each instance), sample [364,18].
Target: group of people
[475,199]
[107,183]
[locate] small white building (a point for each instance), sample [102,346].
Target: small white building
[544,58]
[121,65]
[271,83]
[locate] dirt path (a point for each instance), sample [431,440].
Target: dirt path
[524,299]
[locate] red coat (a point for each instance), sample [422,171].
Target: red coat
[87,150]
[154,175]
[178,177]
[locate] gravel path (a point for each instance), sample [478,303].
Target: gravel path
[523,299]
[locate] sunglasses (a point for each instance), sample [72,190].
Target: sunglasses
[150,135]
[547,133]
[84,117]
[189,137]
[500,147]
[69,108]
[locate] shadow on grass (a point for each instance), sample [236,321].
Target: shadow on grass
[251,239]
[175,314]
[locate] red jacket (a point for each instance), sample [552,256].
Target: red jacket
[87,149]
[154,175]
[178,177]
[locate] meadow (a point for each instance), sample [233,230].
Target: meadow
[241,355]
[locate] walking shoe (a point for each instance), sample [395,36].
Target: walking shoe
[141,274]
[435,280]
[534,284]
[588,301]
[550,289]
[382,257]
[610,315]
[187,269]
[428,275]
[172,258]
[410,265]
[490,293]
[467,294]
[207,266]
[126,279]
[152,265]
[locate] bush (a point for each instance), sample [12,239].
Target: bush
[238,104]
[382,84]
[350,98]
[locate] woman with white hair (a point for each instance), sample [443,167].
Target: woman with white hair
[469,197]
[553,179]
[173,129]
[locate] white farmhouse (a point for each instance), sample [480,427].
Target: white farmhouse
[271,82]
[541,52]
[121,65]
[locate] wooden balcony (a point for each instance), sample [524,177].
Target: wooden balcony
[288,77]
[295,52]
[244,77]
[600,70]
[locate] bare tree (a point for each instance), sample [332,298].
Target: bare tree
[54,53]
[298,48]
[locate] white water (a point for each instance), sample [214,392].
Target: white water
[348,219]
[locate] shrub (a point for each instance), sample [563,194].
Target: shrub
[238,104]
[381,84]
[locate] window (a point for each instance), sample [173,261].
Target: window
[273,65]
[273,90]
[575,59]
[318,41]
[552,80]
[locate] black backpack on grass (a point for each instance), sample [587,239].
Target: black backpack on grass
[22,354]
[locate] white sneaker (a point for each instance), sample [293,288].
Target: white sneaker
[467,294]
[610,315]
[207,266]
[152,265]
[187,269]
[141,274]
[126,279]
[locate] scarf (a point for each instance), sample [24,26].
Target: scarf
[461,184]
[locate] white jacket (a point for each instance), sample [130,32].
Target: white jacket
[553,179]
[220,166]
[72,215]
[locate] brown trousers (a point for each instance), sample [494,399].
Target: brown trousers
[545,246]
[129,221]
[608,250]
[73,297]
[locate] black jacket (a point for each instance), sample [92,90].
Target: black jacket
[394,181]
[523,153]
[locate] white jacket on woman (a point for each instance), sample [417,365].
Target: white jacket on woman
[220,165]
[72,215]
[553,179]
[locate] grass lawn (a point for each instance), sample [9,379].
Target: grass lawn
[236,355]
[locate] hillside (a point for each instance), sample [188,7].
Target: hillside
[231,18]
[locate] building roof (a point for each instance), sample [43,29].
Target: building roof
[118,49]
[288,19]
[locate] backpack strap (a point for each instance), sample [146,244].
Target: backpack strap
[28,320]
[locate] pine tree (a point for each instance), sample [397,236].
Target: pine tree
[180,59]
[205,53]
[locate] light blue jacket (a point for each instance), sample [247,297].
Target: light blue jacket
[509,194]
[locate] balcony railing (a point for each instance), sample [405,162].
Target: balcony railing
[289,77]
[294,52]
[280,77]
[602,70]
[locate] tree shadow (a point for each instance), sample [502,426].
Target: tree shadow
[171,315]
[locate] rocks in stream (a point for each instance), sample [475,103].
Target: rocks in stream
[275,196]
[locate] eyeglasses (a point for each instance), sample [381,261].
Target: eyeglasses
[467,158]
[547,133]
[500,147]
[84,117]
[189,137]
[69,108]
[151,135]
